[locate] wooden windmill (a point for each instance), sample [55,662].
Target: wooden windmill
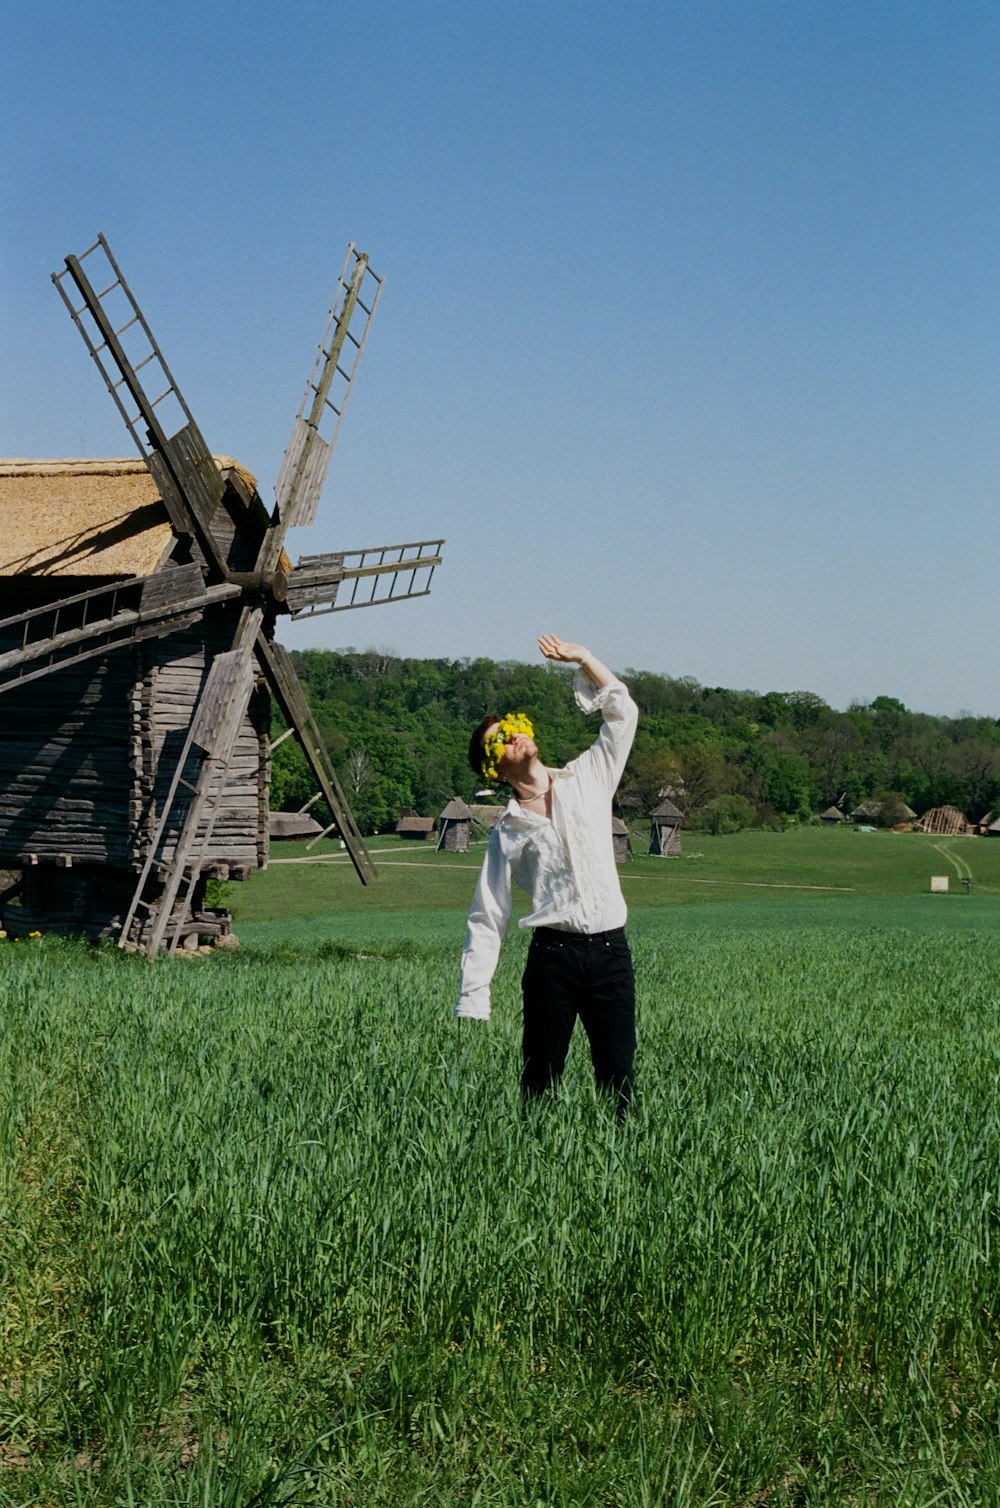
[138,670]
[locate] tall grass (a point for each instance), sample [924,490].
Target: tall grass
[275,1230]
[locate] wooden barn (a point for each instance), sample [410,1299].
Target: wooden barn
[454,825]
[620,839]
[665,829]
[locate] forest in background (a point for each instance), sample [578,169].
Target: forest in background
[398,729]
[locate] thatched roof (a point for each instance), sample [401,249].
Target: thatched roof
[833,814]
[84,518]
[292,825]
[456,811]
[618,827]
[666,809]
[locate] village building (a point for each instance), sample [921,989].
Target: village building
[665,829]
[454,824]
[292,826]
[420,829]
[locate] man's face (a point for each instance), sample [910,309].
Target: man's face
[518,752]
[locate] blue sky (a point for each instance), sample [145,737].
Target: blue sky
[690,341]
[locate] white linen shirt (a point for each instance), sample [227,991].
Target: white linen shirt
[567,865]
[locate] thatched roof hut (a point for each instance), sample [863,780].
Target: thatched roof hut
[833,814]
[88,520]
[420,828]
[285,826]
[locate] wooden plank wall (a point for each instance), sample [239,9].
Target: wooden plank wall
[163,701]
[64,764]
[85,756]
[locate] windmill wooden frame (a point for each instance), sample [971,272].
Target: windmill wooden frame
[135,714]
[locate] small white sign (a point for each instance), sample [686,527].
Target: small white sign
[939,884]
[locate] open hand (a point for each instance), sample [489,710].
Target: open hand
[559,649]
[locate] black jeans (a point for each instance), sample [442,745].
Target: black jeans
[570,974]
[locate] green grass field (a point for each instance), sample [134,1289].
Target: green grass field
[275,1230]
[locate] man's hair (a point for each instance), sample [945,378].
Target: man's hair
[476,742]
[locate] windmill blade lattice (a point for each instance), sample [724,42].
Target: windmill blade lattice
[181,463]
[379,574]
[327,391]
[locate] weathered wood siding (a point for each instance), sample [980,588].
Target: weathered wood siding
[454,836]
[65,782]
[162,703]
[86,756]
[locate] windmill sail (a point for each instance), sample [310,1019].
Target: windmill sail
[379,574]
[327,391]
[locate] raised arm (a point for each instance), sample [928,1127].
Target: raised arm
[575,654]
[607,756]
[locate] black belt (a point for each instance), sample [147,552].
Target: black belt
[578,939]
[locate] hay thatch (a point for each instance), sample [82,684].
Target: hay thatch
[292,825]
[455,811]
[84,518]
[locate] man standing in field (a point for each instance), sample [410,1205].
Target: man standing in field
[554,840]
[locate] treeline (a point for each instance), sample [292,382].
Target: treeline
[398,729]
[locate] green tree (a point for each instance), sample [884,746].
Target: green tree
[726,814]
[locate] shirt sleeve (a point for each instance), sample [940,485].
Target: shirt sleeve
[605,759]
[489,916]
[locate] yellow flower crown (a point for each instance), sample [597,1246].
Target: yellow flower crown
[509,724]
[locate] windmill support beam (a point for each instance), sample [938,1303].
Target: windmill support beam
[271,584]
[286,687]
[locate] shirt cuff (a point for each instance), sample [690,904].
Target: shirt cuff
[591,698]
[475,1006]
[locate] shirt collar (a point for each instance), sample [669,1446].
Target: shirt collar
[515,810]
